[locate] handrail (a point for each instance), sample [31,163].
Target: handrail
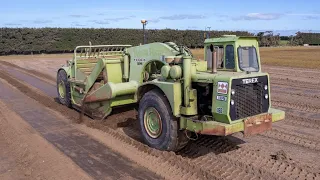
[118,45]
[97,51]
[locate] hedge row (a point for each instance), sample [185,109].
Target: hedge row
[310,38]
[58,40]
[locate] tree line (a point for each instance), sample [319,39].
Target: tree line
[60,40]
[308,38]
[267,38]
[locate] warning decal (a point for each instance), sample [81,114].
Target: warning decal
[222,87]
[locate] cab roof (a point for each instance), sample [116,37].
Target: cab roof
[229,38]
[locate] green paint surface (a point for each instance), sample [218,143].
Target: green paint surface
[114,77]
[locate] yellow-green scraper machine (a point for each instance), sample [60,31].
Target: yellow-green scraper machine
[176,94]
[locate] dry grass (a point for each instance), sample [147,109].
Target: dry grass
[37,56]
[198,53]
[302,57]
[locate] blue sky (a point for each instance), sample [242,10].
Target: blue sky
[282,16]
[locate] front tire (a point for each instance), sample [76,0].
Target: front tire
[63,88]
[158,126]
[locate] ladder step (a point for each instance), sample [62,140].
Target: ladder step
[77,81]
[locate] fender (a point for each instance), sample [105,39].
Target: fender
[67,69]
[172,91]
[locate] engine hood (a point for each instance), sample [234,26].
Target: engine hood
[227,76]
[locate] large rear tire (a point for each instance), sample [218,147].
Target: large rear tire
[63,88]
[159,128]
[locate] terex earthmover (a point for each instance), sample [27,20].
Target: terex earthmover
[177,94]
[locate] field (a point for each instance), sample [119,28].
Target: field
[301,57]
[41,139]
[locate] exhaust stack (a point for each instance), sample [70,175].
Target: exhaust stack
[214,61]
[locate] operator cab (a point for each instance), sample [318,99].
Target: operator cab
[233,53]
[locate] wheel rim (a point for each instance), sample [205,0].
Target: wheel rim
[62,89]
[152,122]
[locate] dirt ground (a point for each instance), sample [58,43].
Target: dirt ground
[289,151]
[24,154]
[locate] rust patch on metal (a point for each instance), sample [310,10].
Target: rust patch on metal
[105,75]
[91,98]
[257,125]
[218,131]
[95,97]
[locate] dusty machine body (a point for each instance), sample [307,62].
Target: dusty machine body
[177,94]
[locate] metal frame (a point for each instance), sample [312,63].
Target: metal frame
[105,48]
[97,51]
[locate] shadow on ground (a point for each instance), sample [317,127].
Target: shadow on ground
[125,118]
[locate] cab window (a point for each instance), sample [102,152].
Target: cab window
[220,55]
[230,64]
[248,59]
[220,61]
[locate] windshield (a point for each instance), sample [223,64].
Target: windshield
[248,60]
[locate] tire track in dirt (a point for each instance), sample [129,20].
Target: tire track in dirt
[213,163]
[32,72]
[288,135]
[294,83]
[296,132]
[228,161]
[296,91]
[302,121]
[310,102]
[226,153]
[296,106]
[291,71]
[252,161]
[293,139]
[298,99]
[175,166]
[300,77]
[86,152]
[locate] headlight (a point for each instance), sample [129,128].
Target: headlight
[266,96]
[233,91]
[232,102]
[265,87]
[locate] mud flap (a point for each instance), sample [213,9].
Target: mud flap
[257,124]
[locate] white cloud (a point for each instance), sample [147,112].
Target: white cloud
[274,16]
[42,21]
[12,24]
[78,16]
[302,14]
[101,21]
[306,16]
[154,20]
[178,17]
[109,20]
[259,16]
[106,12]
[183,16]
